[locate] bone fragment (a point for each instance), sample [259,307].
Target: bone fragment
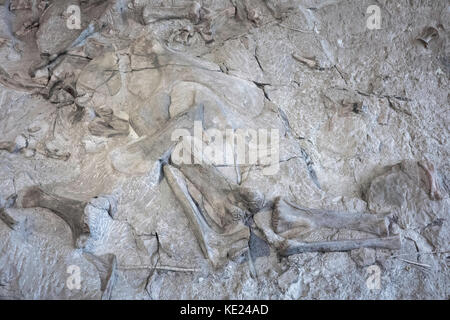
[71,211]
[310,62]
[106,266]
[139,156]
[7,219]
[152,14]
[428,35]
[216,243]
[287,220]
[431,175]
[296,247]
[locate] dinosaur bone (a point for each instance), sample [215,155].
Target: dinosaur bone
[217,241]
[107,124]
[106,266]
[7,219]
[427,35]
[435,192]
[71,211]
[4,216]
[139,156]
[287,220]
[152,14]
[296,247]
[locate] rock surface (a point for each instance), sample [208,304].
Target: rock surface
[87,117]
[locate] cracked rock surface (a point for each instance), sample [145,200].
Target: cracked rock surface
[93,204]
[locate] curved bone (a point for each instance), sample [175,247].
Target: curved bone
[107,124]
[71,211]
[431,179]
[214,187]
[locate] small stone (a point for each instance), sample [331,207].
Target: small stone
[29,153]
[363,256]
[21,142]
[105,202]
[288,278]
[34,129]
[42,76]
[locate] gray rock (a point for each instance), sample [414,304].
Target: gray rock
[363,256]
[89,114]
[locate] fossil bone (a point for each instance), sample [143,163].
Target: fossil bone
[217,242]
[287,220]
[216,208]
[71,211]
[106,266]
[4,216]
[107,124]
[139,156]
[296,247]
[9,146]
[310,62]
[428,35]
[432,182]
[152,14]
[7,219]
[74,212]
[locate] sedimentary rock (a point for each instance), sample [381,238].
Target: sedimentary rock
[120,149]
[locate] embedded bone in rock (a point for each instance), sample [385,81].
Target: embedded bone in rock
[29,247]
[428,34]
[411,191]
[254,149]
[8,146]
[108,124]
[138,157]
[218,242]
[288,219]
[71,211]
[54,37]
[288,222]
[431,180]
[106,266]
[7,219]
[152,14]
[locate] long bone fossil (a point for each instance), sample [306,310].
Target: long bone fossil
[216,208]
[216,242]
[153,14]
[287,220]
